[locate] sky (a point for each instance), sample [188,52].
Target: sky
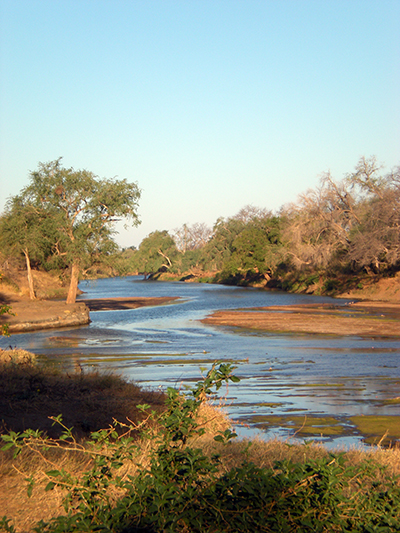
[208,105]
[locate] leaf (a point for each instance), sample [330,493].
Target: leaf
[53,473]
[7,446]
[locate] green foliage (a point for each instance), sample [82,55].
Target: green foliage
[218,250]
[157,251]
[243,248]
[67,215]
[27,229]
[5,310]
[329,285]
[5,525]
[183,490]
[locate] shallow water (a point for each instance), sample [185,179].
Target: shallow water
[281,374]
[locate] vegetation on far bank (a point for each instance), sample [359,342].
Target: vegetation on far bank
[335,238]
[340,237]
[171,463]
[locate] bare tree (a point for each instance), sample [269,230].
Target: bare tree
[375,244]
[366,179]
[355,221]
[249,213]
[192,237]
[317,228]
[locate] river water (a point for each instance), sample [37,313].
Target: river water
[282,375]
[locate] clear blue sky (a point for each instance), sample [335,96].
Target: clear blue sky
[208,104]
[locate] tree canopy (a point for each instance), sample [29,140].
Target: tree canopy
[157,251]
[82,209]
[340,228]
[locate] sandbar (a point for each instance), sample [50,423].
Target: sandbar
[364,319]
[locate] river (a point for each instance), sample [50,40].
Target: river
[282,375]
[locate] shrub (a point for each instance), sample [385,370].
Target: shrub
[182,490]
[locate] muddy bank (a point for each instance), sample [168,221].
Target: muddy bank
[364,319]
[114,304]
[46,314]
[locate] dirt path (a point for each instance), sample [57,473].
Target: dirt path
[364,319]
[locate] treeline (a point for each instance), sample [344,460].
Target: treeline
[340,228]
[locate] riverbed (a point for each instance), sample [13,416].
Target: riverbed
[293,386]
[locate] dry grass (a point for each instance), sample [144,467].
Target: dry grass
[26,512]
[30,393]
[16,357]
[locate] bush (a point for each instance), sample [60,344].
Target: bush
[5,310]
[182,490]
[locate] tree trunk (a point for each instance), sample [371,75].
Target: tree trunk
[32,294]
[73,286]
[167,258]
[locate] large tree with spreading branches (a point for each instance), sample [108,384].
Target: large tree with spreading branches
[83,209]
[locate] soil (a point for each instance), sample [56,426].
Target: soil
[30,315]
[379,315]
[364,319]
[376,315]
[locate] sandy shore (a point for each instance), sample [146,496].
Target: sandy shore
[45,314]
[365,319]
[109,304]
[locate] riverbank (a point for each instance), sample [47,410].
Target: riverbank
[364,319]
[31,392]
[33,315]
[378,314]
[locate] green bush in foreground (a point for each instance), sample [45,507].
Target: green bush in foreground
[182,490]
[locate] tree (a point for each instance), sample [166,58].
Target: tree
[317,228]
[158,250]
[193,237]
[366,178]
[250,213]
[248,241]
[352,223]
[27,230]
[84,207]
[375,242]
[218,249]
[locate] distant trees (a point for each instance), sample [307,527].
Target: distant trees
[354,223]
[68,214]
[247,244]
[65,217]
[218,250]
[192,237]
[157,251]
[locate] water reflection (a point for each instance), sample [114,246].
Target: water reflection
[280,374]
